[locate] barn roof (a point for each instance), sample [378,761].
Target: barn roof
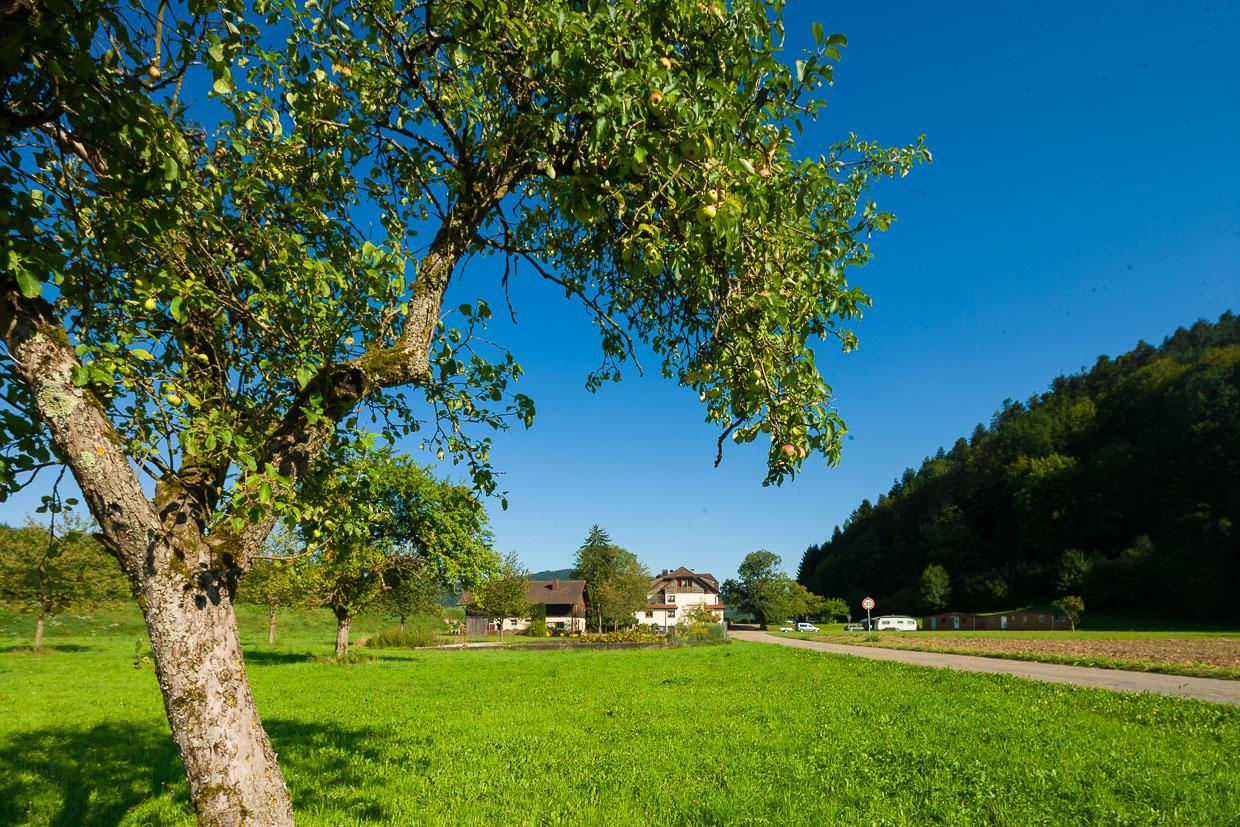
[544,592]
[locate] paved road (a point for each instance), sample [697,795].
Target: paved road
[1206,689]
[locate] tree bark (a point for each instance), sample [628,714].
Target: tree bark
[38,631]
[342,636]
[233,775]
[271,626]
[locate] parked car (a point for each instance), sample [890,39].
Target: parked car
[785,628]
[806,627]
[854,627]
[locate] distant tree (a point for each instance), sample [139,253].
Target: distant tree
[1072,607]
[936,588]
[413,588]
[49,571]
[835,609]
[801,602]
[504,594]
[624,592]
[761,589]
[377,514]
[280,579]
[599,561]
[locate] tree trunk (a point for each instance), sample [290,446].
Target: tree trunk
[271,625]
[231,766]
[38,630]
[342,636]
[185,592]
[402,623]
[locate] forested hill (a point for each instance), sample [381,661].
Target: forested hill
[1121,485]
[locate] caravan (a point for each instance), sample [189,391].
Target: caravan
[895,623]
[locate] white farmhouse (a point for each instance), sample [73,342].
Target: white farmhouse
[673,593]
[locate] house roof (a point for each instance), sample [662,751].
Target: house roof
[555,591]
[680,572]
[544,592]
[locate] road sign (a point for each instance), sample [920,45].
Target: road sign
[868,603]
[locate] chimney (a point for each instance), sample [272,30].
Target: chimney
[555,583]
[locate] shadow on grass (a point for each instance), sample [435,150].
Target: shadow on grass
[268,658]
[46,648]
[98,775]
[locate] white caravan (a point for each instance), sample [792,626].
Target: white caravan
[895,623]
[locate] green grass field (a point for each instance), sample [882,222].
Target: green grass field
[743,733]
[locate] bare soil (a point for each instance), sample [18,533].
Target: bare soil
[1221,652]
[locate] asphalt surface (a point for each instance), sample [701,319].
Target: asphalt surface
[1205,689]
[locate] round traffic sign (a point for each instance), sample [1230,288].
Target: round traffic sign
[868,603]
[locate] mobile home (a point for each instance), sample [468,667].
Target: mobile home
[895,623]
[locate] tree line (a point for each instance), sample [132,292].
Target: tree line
[1119,485]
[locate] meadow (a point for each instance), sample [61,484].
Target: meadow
[739,733]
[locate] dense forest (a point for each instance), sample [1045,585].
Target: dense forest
[1120,485]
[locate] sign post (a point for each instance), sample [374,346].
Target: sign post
[868,604]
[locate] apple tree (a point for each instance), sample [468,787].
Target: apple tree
[228,231]
[383,522]
[280,579]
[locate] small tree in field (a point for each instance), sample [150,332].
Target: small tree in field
[230,231]
[413,588]
[1072,607]
[380,520]
[504,594]
[280,583]
[762,588]
[51,571]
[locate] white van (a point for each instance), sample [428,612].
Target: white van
[895,623]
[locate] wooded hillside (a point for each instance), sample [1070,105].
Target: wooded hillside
[1121,484]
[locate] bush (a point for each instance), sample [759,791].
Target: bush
[411,637]
[537,628]
[700,633]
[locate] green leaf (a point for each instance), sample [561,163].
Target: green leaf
[28,283]
[818,33]
[837,40]
[224,83]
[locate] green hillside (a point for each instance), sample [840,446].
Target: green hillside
[1120,484]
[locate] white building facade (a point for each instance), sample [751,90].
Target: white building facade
[673,593]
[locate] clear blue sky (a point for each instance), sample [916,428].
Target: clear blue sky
[1085,194]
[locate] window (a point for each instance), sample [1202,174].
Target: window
[1041,618]
[649,614]
[671,598]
